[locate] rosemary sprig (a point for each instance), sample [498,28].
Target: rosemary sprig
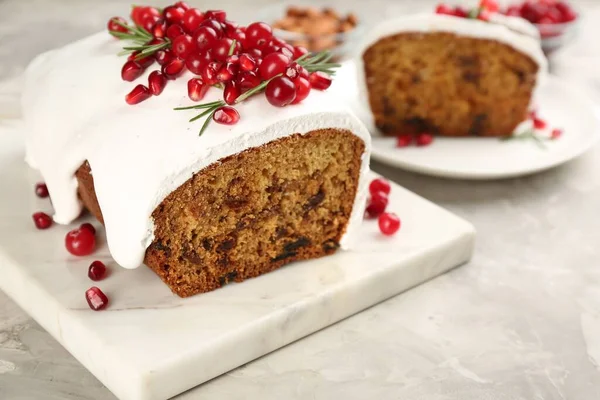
[141,41]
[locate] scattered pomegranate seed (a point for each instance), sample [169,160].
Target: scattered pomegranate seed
[192,19]
[319,81]
[302,89]
[539,123]
[389,223]
[377,204]
[173,68]
[96,299]
[280,91]
[42,220]
[197,89]
[183,46]
[156,82]
[231,92]
[424,139]
[404,140]
[380,185]
[131,71]
[226,115]
[89,227]
[137,95]
[113,26]
[556,133]
[80,242]
[41,190]
[96,271]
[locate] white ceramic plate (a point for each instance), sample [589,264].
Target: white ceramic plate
[490,158]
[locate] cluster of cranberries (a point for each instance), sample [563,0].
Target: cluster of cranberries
[220,53]
[485,8]
[380,189]
[79,242]
[543,12]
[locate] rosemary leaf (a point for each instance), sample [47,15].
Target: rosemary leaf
[203,113]
[206,122]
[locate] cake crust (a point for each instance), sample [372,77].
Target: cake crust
[252,212]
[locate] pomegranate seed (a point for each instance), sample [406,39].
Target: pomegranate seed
[248,80]
[273,64]
[159,30]
[460,12]
[204,37]
[568,14]
[291,72]
[556,133]
[389,223]
[196,62]
[302,72]
[209,73]
[42,220]
[218,15]
[173,68]
[240,37]
[247,62]
[221,48]
[513,11]
[444,9]
[89,227]
[145,62]
[224,74]
[183,46]
[484,15]
[404,140]
[280,91]
[96,299]
[377,204]
[174,31]
[173,14]
[226,115]
[137,95]
[197,89]
[424,139]
[148,22]
[489,5]
[256,53]
[113,26]
[216,25]
[131,71]
[319,80]
[380,185]
[163,56]
[256,32]
[302,89]
[41,190]
[230,28]
[183,5]
[299,51]
[231,92]
[80,242]
[539,123]
[96,271]
[156,82]
[192,19]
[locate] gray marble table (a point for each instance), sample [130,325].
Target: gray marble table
[520,322]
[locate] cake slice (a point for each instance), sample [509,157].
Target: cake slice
[449,75]
[264,187]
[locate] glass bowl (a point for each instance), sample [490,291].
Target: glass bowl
[554,36]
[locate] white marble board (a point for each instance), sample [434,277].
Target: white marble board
[151,345]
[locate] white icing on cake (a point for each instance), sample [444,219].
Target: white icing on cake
[74,110]
[512,31]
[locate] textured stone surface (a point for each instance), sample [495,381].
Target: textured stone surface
[520,322]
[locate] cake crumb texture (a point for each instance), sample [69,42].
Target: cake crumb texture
[447,84]
[252,212]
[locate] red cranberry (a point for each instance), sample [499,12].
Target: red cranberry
[174,31]
[113,26]
[41,190]
[218,15]
[539,123]
[404,140]
[556,133]
[131,71]
[256,53]
[197,89]
[173,14]
[489,5]
[424,139]
[389,223]
[319,80]
[240,37]
[247,62]
[302,89]
[287,50]
[148,22]
[42,220]
[258,31]
[248,80]
[195,62]
[532,12]
[137,95]
[156,82]
[136,14]
[192,19]
[460,12]
[280,91]
[159,30]
[444,9]
[379,185]
[484,15]
[513,11]
[183,5]
[221,48]
[226,115]
[89,227]
[96,299]
[377,204]
[299,51]
[230,28]
[163,56]
[216,25]
[273,64]
[568,14]
[205,37]
[183,46]
[96,271]
[173,68]
[80,242]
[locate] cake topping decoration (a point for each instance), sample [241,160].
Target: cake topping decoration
[97,271]
[96,298]
[242,61]
[81,241]
[481,12]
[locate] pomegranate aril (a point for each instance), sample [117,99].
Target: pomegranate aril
[380,185]
[41,190]
[248,81]
[256,53]
[96,299]
[173,68]
[163,56]
[231,92]
[209,73]
[287,50]
[145,62]
[556,133]
[291,72]
[159,30]
[319,80]
[444,9]
[174,31]
[489,5]
[484,15]
[113,26]
[299,51]
[247,62]
[539,123]
[173,14]
[80,242]
[302,89]
[273,64]
[460,12]
[218,15]
[224,74]
[424,139]
[513,11]
[376,205]
[197,89]
[137,95]
[42,220]
[192,19]
[389,223]
[131,71]
[89,227]
[404,140]
[258,31]
[183,46]
[280,91]
[96,271]
[226,115]
[156,82]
